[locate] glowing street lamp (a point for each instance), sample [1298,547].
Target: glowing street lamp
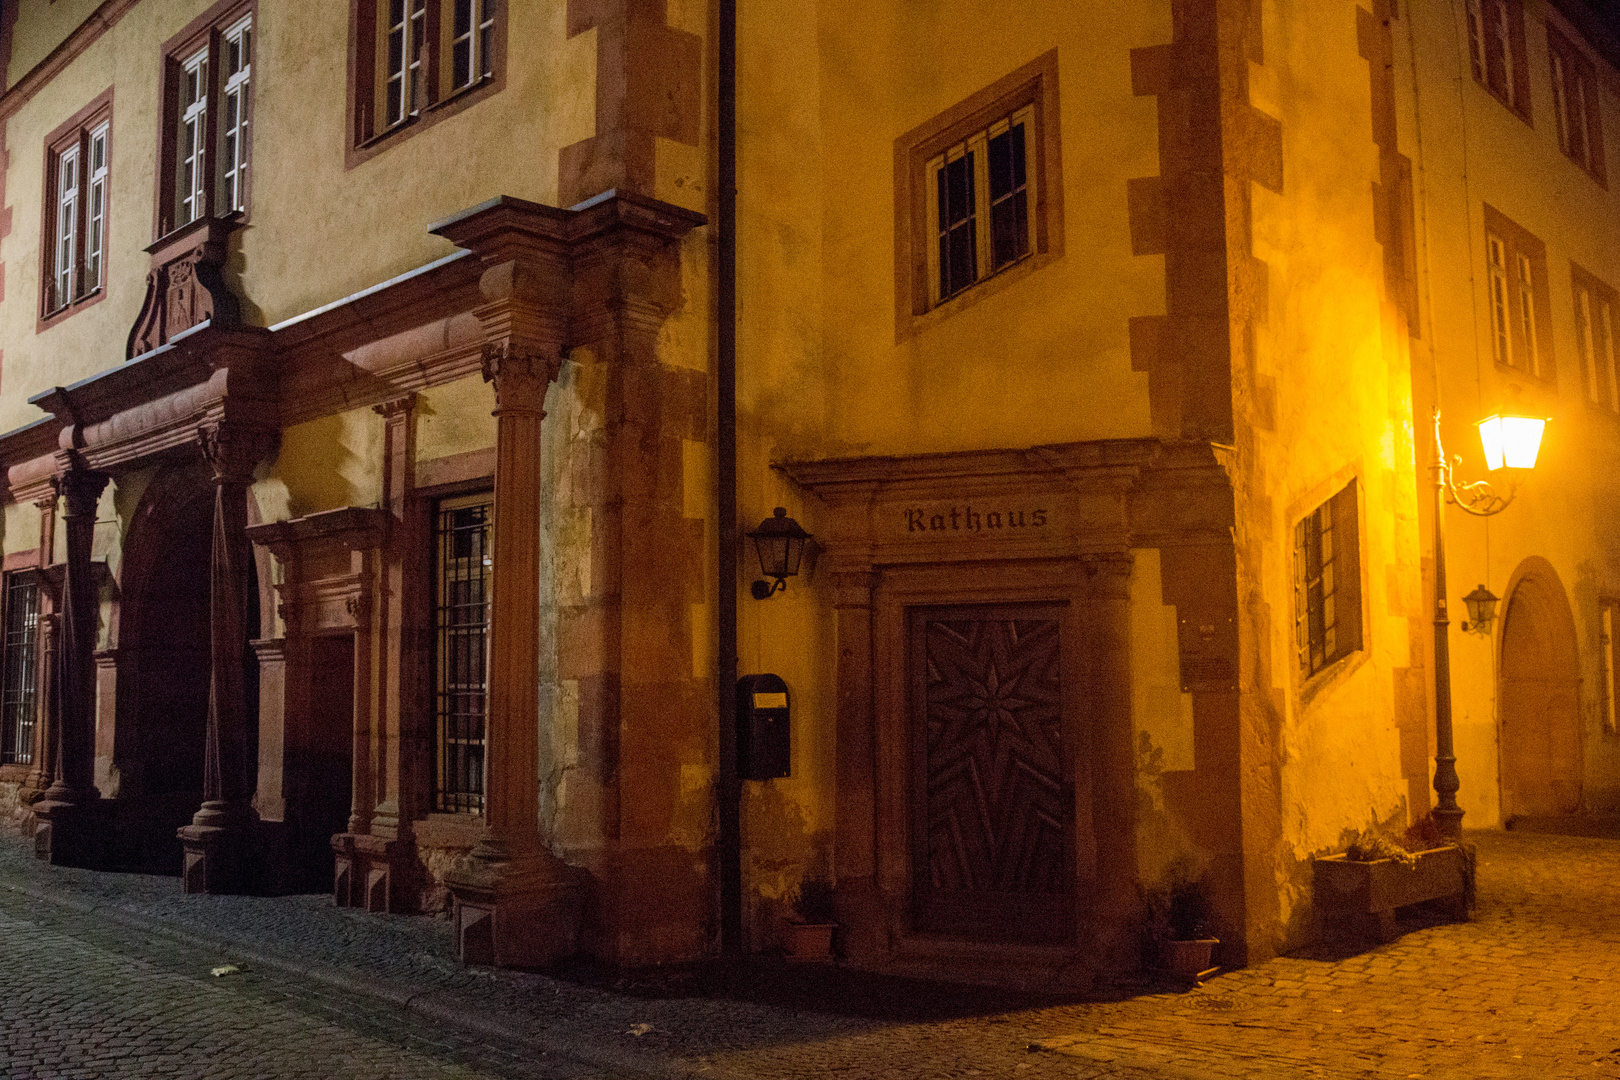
[1510,442]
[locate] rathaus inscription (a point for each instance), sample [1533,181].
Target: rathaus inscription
[980,519]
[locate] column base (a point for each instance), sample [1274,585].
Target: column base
[370,872]
[522,912]
[217,856]
[71,833]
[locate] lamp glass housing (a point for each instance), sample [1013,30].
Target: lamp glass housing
[1511,441]
[779,542]
[1481,605]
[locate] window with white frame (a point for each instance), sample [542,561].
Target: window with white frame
[77,163]
[1519,305]
[236,53]
[1496,50]
[209,145]
[415,61]
[1575,104]
[1594,337]
[980,193]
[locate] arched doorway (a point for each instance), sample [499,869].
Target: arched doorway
[165,662]
[1538,700]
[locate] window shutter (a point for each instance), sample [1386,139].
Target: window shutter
[1347,570]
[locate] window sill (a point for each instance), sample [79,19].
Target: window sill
[461,92]
[1599,180]
[973,294]
[379,142]
[1545,382]
[1331,676]
[72,307]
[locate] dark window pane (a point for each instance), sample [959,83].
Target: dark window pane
[1001,174]
[962,257]
[1019,162]
[961,187]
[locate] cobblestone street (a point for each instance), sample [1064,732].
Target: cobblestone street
[109,975]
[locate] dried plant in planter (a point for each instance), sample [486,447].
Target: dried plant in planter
[1371,846]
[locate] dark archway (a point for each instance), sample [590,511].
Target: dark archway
[164,663]
[1538,701]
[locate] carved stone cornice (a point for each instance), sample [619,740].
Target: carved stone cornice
[186,285]
[353,528]
[520,376]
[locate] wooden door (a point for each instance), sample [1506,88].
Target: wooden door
[1539,703]
[992,812]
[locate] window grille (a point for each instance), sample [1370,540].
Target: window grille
[981,203]
[97,226]
[461,651]
[193,138]
[234,139]
[18,695]
[1327,583]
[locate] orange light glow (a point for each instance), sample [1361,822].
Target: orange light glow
[1511,441]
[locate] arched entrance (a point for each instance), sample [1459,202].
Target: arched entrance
[1538,699]
[165,661]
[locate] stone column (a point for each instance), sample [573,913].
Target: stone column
[860,908]
[1113,766]
[217,839]
[66,833]
[516,904]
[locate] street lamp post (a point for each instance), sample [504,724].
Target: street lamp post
[1509,442]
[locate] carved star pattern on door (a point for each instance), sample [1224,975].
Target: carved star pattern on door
[996,798]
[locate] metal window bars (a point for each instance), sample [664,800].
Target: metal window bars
[461,652]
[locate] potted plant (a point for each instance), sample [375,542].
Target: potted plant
[1182,925]
[810,929]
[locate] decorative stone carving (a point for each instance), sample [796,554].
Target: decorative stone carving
[186,285]
[520,376]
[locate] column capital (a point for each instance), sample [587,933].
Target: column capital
[395,407]
[78,486]
[520,375]
[234,451]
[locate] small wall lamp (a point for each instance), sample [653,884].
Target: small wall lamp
[1481,605]
[780,543]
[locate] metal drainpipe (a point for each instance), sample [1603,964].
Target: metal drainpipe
[729,787]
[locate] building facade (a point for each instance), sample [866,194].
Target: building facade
[389,388]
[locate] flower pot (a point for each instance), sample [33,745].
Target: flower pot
[810,942]
[1187,959]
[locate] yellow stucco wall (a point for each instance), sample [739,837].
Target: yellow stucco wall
[41,26]
[1475,152]
[284,262]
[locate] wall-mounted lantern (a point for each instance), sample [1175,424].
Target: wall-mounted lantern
[1511,441]
[1481,605]
[780,543]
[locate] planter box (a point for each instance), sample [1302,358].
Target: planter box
[810,942]
[1367,893]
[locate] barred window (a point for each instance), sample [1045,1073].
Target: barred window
[979,203]
[461,651]
[18,694]
[1327,583]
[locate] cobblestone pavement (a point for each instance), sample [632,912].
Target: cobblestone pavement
[105,968]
